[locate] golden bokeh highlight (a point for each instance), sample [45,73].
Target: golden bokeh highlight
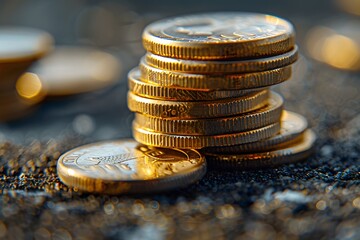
[341,52]
[29,87]
[337,50]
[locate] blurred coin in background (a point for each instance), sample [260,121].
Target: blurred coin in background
[74,70]
[19,48]
[21,44]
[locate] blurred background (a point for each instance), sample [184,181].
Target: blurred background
[77,94]
[326,76]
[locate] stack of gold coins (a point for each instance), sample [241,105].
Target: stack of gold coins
[19,49]
[204,84]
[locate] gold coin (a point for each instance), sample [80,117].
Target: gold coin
[221,67]
[74,70]
[19,48]
[267,115]
[219,36]
[23,44]
[214,82]
[199,109]
[154,91]
[292,126]
[196,142]
[289,154]
[125,166]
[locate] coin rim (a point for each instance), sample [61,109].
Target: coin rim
[152,107]
[214,82]
[150,90]
[183,141]
[264,145]
[218,50]
[218,67]
[296,153]
[262,117]
[97,185]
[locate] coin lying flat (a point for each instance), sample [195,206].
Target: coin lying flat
[124,166]
[199,109]
[292,126]
[200,141]
[219,36]
[286,155]
[74,70]
[23,44]
[222,67]
[154,91]
[214,82]
[267,115]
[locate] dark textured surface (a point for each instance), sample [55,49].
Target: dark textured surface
[316,199]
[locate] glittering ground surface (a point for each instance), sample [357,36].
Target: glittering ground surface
[310,200]
[316,199]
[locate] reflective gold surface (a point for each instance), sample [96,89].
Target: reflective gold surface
[292,126]
[215,81]
[200,141]
[287,154]
[198,109]
[262,117]
[219,36]
[125,166]
[155,91]
[224,66]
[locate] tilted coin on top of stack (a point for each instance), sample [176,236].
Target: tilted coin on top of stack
[203,84]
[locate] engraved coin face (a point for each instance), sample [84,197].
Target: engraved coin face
[234,29]
[127,166]
[222,27]
[21,43]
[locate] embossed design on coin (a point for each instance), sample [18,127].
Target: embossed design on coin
[223,28]
[219,36]
[126,166]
